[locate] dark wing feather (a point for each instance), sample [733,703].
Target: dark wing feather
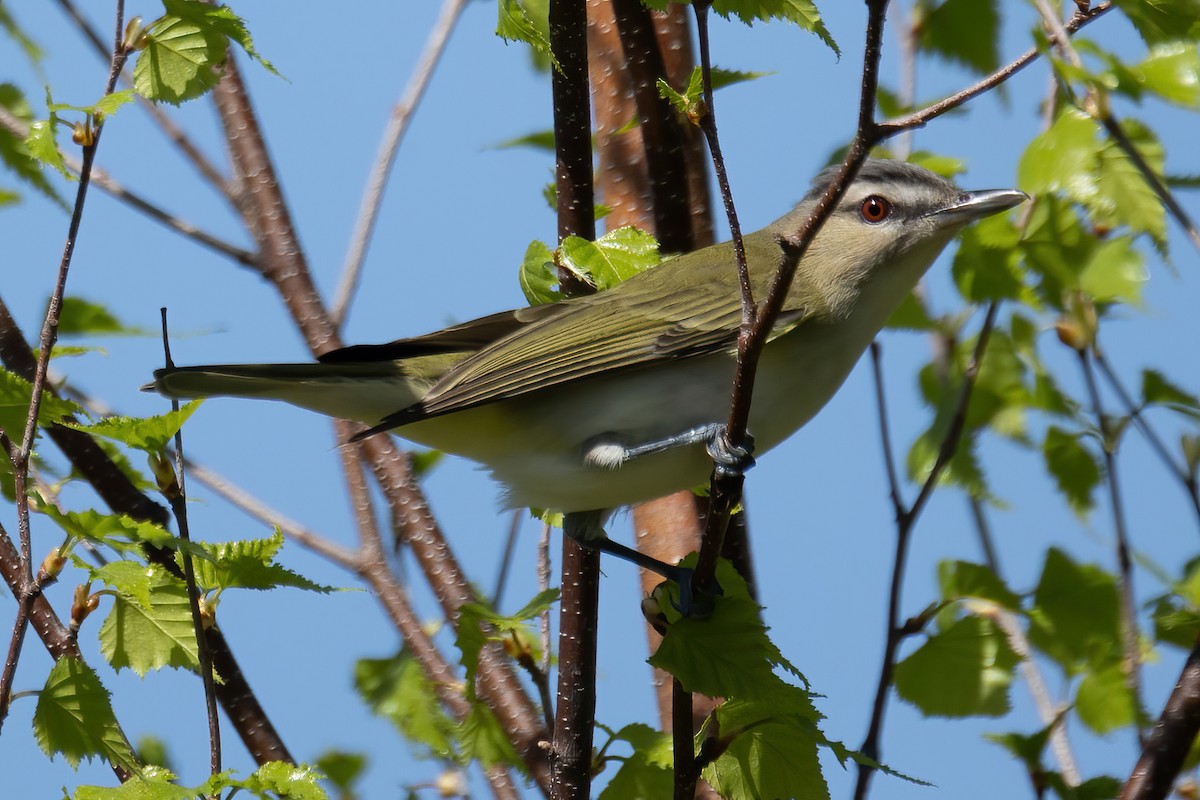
[467,337]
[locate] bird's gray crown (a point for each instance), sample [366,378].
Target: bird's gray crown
[897,175]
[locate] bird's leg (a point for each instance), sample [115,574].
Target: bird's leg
[586,528]
[606,450]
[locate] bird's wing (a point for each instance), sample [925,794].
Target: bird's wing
[467,337]
[575,339]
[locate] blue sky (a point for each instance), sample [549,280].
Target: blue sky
[457,218]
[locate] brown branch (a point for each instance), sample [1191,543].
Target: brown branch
[1171,739]
[371,565]
[283,263]
[575,710]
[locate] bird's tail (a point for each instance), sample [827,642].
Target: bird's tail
[366,392]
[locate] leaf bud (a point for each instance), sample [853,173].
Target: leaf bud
[164,474]
[452,783]
[135,37]
[82,134]
[52,566]
[83,603]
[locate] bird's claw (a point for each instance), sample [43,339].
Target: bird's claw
[730,459]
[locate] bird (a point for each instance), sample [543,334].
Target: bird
[607,400]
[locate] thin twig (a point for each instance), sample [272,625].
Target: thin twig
[1048,712]
[919,118]
[1109,442]
[29,586]
[402,114]
[102,180]
[1134,411]
[905,522]
[175,490]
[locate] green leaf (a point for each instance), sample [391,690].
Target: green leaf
[105,106]
[539,275]
[1157,390]
[1123,197]
[538,140]
[1062,158]
[14,153]
[182,60]
[801,12]
[248,564]
[482,739]
[186,51]
[280,779]
[118,531]
[963,31]
[81,317]
[15,393]
[343,770]
[1103,700]
[1175,623]
[149,783]
[478,624]
[74,717]
[984,273]
[727,655]
[1115,272]
[515,25]
[962,579]
[773,747]
[149,434]
[41,145]
[728,77]
[1028,748]
[1075,619]
[1172,71]
[686,102]
[646,772]
[1074,468]
[130,579]
[965,670]
[1054,246]
[144,637]
[397,689]
[612,259]
[1163,20]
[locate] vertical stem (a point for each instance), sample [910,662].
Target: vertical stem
[571,747]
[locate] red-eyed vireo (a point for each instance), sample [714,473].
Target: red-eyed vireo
[609,399]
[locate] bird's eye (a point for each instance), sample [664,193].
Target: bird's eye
[875,209]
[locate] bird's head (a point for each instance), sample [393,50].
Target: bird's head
[887,229]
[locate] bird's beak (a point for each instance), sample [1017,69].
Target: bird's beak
[970,206]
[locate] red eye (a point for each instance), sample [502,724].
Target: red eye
[875,209]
